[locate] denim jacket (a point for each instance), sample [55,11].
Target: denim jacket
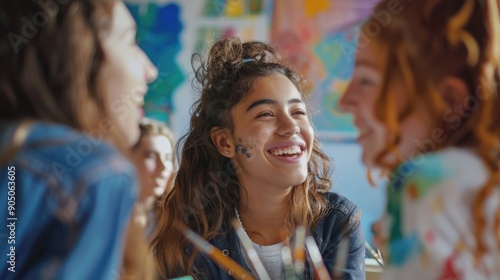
[73,198]
[343,220]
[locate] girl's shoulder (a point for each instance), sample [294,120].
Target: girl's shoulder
[462,168]
[339,203]
[436,199]
[343,215]
[62,154]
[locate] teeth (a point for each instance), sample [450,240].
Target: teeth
[286,151]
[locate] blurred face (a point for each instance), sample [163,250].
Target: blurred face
[125,74]
[154,161]
[272,134]
[360,100]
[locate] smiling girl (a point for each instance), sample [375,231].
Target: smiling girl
[153,155]
[251,154]
[424,97]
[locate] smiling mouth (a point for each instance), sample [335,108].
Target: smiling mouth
[363,133]
[290,152]
[159,180]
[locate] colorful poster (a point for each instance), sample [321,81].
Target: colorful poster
[226,18]
[158,33]
[232,8]
[170,31]
[207,21]
[320,39]
[318,36]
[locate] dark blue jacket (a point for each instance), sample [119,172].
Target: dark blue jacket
[343,220]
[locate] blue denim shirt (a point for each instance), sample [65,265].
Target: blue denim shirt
[73,197]
[342,220]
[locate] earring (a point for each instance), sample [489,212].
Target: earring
[227,152]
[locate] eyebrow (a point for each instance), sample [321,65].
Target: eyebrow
[273,102]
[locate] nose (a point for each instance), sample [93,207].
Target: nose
[347,100]
[151,72]
[161,164]
[288,126]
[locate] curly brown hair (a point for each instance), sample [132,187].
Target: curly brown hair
[205,191]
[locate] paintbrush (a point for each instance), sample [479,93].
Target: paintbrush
[340,260]
[375,255]
[320,271]
[250,251]
[299,254]
[228,264]
[286,255]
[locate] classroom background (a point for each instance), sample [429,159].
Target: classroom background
[319,36]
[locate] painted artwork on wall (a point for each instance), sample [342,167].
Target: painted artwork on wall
[320,39]
[226,18]
[170,31]
[159,28]
[319,36]
[232,8]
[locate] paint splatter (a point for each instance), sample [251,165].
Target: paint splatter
[240,148]
[243,149]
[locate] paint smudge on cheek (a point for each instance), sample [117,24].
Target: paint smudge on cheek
[244,149]
[240,148]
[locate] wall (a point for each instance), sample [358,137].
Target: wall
[349,179]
